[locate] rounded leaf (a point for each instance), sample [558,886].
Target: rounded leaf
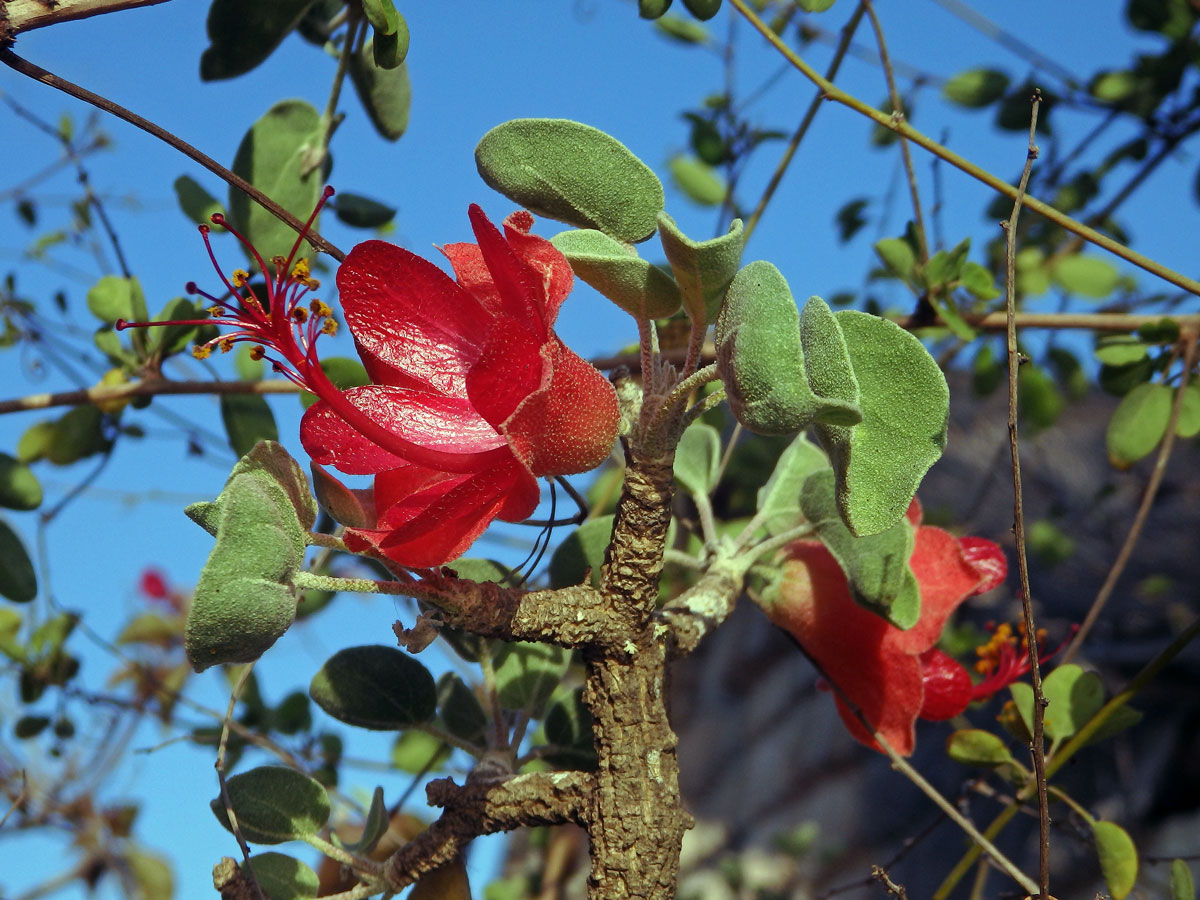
[975,747]
[283,877]
[18,582]
[652,9]
[697,459]
[703,269]
[197,203]
[614,269]
[19,487]
[572,172]
[582,551]
[527,674]
[703,9]
[976,88]
[275,156]
[460,709]
[248,419]
[1182,885]
[1073,696]
[375,687]
[779,498]
[905,403]
[1118,858]
[698,181]
[242,34]
[385,93]
[1138,424]
[358,211]
[274,804]
[1087,276]
[418,753]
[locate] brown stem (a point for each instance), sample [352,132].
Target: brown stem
[17,16]
[37,73]
[1014,362]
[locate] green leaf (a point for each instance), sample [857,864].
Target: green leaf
[978,281]
[905,403]
[343,371]
[976,88]
[1049,543]
[274,804]
[352,507]
[374,828]
[282,877]
[36,441]
[703,9]
[10,628]
[168,340]
[1040,401]
[899,257]
[527,674]
[248,420]
[241,35]
[683,30]
[28,727]
[876,565]
[150,874]
[779,498]
[1087,276]
[460,710]
[18,582]
[197,203]
[78,434]
[946,266]
[1118,858]
[1189,414]
[19,487]
[272,156]
[151,628]
[113,297]
[703,269]
[1138,424]
[761,345]
[358,211]
[1113,86]
[975,747]
[652,9]
[417,752]
[386,94]
[1073,696]
[1182,886]
[1120,350]
[697,180]
[244,363]
[574,173]
[583,550]
[614,269]
[375,687]
[697,459]
[850,218]
[815,6]
[382,15]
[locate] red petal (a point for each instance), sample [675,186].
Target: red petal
[570,424]
[947,686]
[413,325]
[474,276]
[987,559]
[510,368]
[447,514]
[852,646]
[520,289]
[432,430]
[946,579]
[543,257]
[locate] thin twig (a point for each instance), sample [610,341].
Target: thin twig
[219,765]
[1143,511]
[898,113]
[903,128]
[802,129]
[25,67]
[1014,363]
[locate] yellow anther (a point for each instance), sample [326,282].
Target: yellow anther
[329,326]
[301,271]
[226,344]
[215,311]
[257,352]
[320,309]
[300,314]
[240,278]
[202,351]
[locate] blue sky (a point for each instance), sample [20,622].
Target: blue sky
[473,65]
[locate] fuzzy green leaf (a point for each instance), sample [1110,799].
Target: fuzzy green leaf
[374,828]
[197,203]
[876,565]
[1073,696]
[976,747]
[614,269]
[274,804]
[905,403]
[976,88]
[248,420]
[703,269]
[697,458]
[779,498]
[568,730]
[527,674]
[761,358]
[113,297]
[583,550]
[1182,886]
[417,753]
[358,211]
[272,155]
[1087,276]
[574,173]
[375,687]
[698,181]
[460,710]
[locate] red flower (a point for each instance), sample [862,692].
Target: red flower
[892,676]
[473,395]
